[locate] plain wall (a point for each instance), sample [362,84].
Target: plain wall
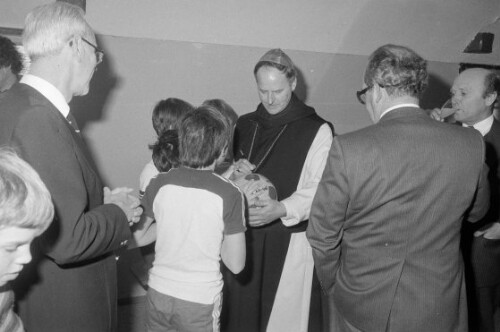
[440,30]
[116,115]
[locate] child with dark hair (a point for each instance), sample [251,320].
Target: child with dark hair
[230,117]
[166,117]
[167,114]
[199,221]
[166,151]
[225,109]
[11,63]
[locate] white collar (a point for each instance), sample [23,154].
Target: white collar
[48,91]
[398,106]
[482,126]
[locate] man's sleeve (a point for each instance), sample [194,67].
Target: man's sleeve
[327,218]
[481,202]
[77,233]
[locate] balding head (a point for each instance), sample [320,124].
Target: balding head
[474,93]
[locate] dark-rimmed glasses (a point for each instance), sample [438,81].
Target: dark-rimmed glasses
[99,54]
[361,94]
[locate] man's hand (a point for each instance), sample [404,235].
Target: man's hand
[265,211]
[436,114]
[490,231]
[443,114]
[128,203]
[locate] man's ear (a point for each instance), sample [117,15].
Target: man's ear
[490,99]
[378,92]
[294,84]
[76,45]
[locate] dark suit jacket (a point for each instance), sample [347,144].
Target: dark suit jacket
[486,253]
[385,222]
[71,283]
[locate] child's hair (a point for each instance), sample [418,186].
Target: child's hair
[203,137]
[230,116]
[166,151]
[25,201]
[226,110]
[10,56]
[168,113]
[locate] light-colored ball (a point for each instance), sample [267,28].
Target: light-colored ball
[256,187]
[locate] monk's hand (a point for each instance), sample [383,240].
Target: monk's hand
[262,212]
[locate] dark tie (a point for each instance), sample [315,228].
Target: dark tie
[72,121]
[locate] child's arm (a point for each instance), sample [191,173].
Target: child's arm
[144,233]
[233,252]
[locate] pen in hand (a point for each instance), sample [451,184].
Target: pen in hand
[243,166]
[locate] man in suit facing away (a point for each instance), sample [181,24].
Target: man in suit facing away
[385,221]
[71,283]
[474,93]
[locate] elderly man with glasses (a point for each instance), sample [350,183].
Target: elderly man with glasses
[385,221]
[71,283]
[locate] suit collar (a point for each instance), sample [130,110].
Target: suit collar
[50,92]
[65,130]
[398,106]
[483,126]
[494,130]
[403,112]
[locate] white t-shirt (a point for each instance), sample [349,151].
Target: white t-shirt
[193,210]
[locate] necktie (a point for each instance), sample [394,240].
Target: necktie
[72,121]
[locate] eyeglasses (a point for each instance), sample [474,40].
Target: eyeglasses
[99,54]
[361,94]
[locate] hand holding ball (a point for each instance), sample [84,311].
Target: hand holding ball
[256,187]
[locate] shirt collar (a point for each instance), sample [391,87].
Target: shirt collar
[48,91]
[398,106]
[483,126]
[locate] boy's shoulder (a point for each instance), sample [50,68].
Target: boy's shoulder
[216,184]
[228,184]
[196,179]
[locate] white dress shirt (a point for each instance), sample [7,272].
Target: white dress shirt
[48,91]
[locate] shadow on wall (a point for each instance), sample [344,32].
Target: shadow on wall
[91,107]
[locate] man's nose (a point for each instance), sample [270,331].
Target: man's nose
[270,98]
